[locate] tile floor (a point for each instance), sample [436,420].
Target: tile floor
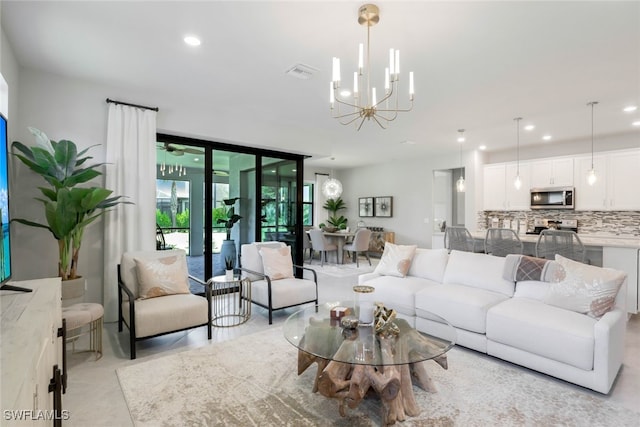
[94,397]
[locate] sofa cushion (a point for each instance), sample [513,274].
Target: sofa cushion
[544,330]
[429,264]
[585,289]
[479,271]
[397,292]
[462,306]
[395,260]
[533,289]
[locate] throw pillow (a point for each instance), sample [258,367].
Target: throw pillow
[395,260]
[586,288]
[518,268]
[277,263]
[162,276]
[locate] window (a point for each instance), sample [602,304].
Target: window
[307,204]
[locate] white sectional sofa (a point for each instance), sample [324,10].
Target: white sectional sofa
[503,318]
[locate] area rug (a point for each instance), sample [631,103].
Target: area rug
[343,270]
[252,381]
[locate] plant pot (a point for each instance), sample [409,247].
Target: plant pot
[228,275]
[228,250]
[73,291]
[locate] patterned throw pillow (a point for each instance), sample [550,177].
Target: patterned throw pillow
[162,276]
[277,263]
[396,260]
[586,288]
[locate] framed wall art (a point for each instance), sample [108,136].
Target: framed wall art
[384,206]
[366,206]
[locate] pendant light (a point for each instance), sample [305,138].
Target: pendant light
[518,183]
[460,184]
[591,176]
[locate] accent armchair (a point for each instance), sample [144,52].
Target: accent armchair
[154,297]
[273,284]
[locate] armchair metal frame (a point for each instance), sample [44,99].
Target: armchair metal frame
[123,289]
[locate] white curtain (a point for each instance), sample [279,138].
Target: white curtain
[131,172]
[320,199]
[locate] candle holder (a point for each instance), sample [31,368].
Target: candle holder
[363,309]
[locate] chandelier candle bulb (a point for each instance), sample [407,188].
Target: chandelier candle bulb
[386,80]
[331,98]
[397,75]
[355,83]
[360,58]
[392,69]
[411,90]
[374,100]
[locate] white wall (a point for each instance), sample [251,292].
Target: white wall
[410,184]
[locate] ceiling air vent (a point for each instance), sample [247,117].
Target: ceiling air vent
[301,71]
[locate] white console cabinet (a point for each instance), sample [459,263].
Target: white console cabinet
[31,351]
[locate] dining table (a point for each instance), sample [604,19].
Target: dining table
[339,238]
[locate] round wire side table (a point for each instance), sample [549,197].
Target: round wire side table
[230,301]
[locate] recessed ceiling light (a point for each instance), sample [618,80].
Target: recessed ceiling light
[529,127]
[546,137]
[345,93]
[482,147]
[636,123]
[192,40]
[630,109]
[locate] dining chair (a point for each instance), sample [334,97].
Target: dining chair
[502,242]
[319,243]
[306,244]
[561,242]
[360,244]
[458,238]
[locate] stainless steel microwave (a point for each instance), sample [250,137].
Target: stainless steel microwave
[553,198]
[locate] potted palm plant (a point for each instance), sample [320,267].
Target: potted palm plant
[229,219]
[68,209]
[336,222]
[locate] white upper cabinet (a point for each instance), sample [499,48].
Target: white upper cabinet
[591,197]
[623,179]
[618,175]
[499,189]
[552,172]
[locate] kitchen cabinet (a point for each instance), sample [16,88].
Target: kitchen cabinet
[552,172]
[499,189]
[618,172]
[627,260]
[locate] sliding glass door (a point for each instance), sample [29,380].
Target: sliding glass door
[201,183]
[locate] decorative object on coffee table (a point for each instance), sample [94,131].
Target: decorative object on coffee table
[363,309]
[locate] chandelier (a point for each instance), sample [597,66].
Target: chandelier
[366,105]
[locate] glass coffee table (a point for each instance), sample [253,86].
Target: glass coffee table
[353,360]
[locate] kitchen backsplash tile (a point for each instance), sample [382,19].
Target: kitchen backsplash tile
[618,223]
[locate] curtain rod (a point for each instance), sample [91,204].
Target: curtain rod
[111,101]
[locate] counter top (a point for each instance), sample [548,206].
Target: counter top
[599,240]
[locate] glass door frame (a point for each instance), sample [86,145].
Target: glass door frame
[209,146]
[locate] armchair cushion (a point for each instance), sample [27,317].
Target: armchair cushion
[277,262]
[284,292]
[162,276]
[156,316]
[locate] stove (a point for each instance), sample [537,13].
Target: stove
[547,224]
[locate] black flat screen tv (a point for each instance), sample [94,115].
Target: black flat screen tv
[5,242]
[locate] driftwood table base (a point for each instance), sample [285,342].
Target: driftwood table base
[350,383]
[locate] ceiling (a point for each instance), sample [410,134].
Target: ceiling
[477,65]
